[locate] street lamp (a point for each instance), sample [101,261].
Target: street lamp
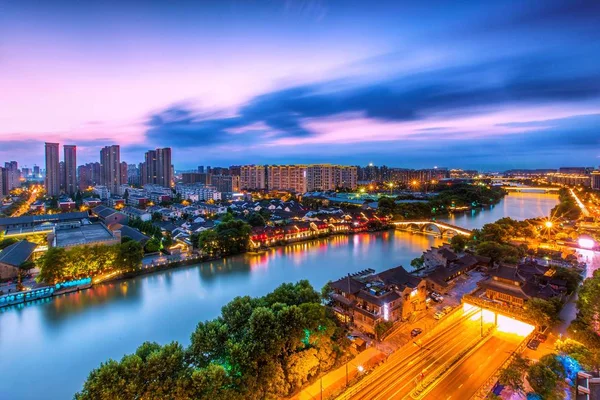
[359,368]
[391,185]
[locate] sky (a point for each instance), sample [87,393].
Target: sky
[490,85]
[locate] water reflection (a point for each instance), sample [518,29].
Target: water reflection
[518,206]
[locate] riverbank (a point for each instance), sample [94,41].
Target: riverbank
[47,292]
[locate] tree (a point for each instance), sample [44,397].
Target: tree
[570,276]
[51,265]
[4,243]
[588,301]
[417,263]
[255,219]
[386,206]
[260,348]
[156,216]
[152,246]
[326,292]
[543,312]
[458,243]
[498,252]
[546,377]
[130,255]
[588,355]
[381,328]
[512,376]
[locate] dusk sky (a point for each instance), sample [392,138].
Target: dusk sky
[490,85]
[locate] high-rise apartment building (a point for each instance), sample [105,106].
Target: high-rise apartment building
[287,177]
[89,175]
[70,160]
[123,173]
[252,177]
[3,191]
[157,168]
[110,172]
[61,173]
[235,170]
[12,176]
[36,171]
[133,175]
[52,180]
[330,177]
[196,177]
[595,180]
[223,183]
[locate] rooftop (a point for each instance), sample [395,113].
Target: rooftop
[17,253]
[83,235]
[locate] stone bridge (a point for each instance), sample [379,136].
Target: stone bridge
[424,226]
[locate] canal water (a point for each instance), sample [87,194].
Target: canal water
[48,349]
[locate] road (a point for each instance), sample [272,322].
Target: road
[396,378]
[474,370]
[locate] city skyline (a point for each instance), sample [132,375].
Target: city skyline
[320,82]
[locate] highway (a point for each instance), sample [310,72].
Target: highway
[462,382]
[397,378]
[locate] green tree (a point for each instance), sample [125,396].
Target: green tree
[255,219]
[543,312]
[417,263]
[458,243]
[4,243]
[381,328]
[498,252]
[588,355]
[51,265]
[152,246]
[130,255]
[546,378]
[512,376]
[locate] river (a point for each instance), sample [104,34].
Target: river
[48,349]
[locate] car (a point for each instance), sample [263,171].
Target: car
[447,309]
[416,332]
[439,315]
[436,297]
[533,344]
[541,337]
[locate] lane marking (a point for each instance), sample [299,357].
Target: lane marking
[461,385]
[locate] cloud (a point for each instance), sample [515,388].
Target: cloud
[442,94]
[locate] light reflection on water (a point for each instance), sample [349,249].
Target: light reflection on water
[63,339]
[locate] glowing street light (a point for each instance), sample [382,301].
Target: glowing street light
[549,224]
[359,368]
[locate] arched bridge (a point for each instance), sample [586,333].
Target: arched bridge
[545,189]
[442,227]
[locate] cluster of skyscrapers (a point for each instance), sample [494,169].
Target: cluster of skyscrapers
[66,177]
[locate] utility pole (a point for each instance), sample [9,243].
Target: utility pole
[321,387]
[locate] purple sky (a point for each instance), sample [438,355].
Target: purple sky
[495,85]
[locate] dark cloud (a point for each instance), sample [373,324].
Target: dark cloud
[456,91]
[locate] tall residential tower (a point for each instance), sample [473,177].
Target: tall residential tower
[110,172]
[52,180]
[70,159]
